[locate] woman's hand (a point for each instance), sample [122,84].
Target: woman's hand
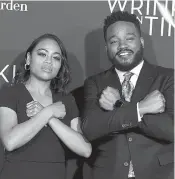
[58,110]
[33,108]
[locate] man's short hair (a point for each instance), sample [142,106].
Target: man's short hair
[120,16]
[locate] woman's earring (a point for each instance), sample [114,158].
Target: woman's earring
[26,67]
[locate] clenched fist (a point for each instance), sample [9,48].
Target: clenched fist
[153,103]
[108,98]
[58,110]
[33,108]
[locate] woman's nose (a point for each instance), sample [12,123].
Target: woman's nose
[48,59]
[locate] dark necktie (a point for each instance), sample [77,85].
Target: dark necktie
[127,86]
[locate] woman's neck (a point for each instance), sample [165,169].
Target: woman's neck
[38,86]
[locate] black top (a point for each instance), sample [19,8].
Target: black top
[45,146]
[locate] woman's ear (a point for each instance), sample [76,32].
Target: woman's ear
[28,59]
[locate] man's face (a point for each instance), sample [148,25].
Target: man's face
[124,45]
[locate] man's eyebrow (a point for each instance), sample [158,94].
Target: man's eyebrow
[112,37]
[131,33]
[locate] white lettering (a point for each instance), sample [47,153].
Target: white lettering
[147,7]
[16,5]
[162,26]
[169,29]
[141,19]
[2,73]
[136,8]
[111,7]
[2,5]
[24,7]
[151,23]
[14,70]
[173,8]
[9,6]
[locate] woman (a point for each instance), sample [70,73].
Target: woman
[35,115]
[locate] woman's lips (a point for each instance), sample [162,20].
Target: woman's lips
[47,69]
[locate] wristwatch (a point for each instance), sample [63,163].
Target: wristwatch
[118,103]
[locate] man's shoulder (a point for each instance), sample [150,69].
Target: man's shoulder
[165,71]
[101,76]
[160,70]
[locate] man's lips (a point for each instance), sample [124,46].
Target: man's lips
[123,53]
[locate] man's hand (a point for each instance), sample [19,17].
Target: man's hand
[108,98]
[153,103]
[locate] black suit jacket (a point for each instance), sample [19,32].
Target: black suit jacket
[1,156]
[117,136]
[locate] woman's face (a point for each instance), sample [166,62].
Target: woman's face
[45,60]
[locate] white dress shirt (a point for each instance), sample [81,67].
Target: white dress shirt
[136,71]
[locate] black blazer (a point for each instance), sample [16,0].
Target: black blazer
[117,136]
[1,156]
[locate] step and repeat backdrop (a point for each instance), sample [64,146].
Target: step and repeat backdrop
[79,25]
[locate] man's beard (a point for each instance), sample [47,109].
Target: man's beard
[128,66]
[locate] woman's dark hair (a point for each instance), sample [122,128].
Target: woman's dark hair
[59,83]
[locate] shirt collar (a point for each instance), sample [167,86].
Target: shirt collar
[136,70]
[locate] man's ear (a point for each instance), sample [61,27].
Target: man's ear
[142,41]
[106,48]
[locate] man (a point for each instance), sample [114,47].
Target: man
[1,156]
[128,114]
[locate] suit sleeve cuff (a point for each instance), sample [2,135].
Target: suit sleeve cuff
[138,114]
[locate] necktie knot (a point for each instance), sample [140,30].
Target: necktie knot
[128,75]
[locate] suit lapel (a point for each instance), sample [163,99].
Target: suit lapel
[147,75]
[112,79]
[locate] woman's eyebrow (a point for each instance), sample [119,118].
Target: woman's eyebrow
[48,51]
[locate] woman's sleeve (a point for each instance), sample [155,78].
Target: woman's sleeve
[8,97]
[71,109]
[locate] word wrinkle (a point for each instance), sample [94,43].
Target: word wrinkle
[147,10]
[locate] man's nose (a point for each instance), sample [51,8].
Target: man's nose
[123,44]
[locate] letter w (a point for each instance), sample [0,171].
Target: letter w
[111,7]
